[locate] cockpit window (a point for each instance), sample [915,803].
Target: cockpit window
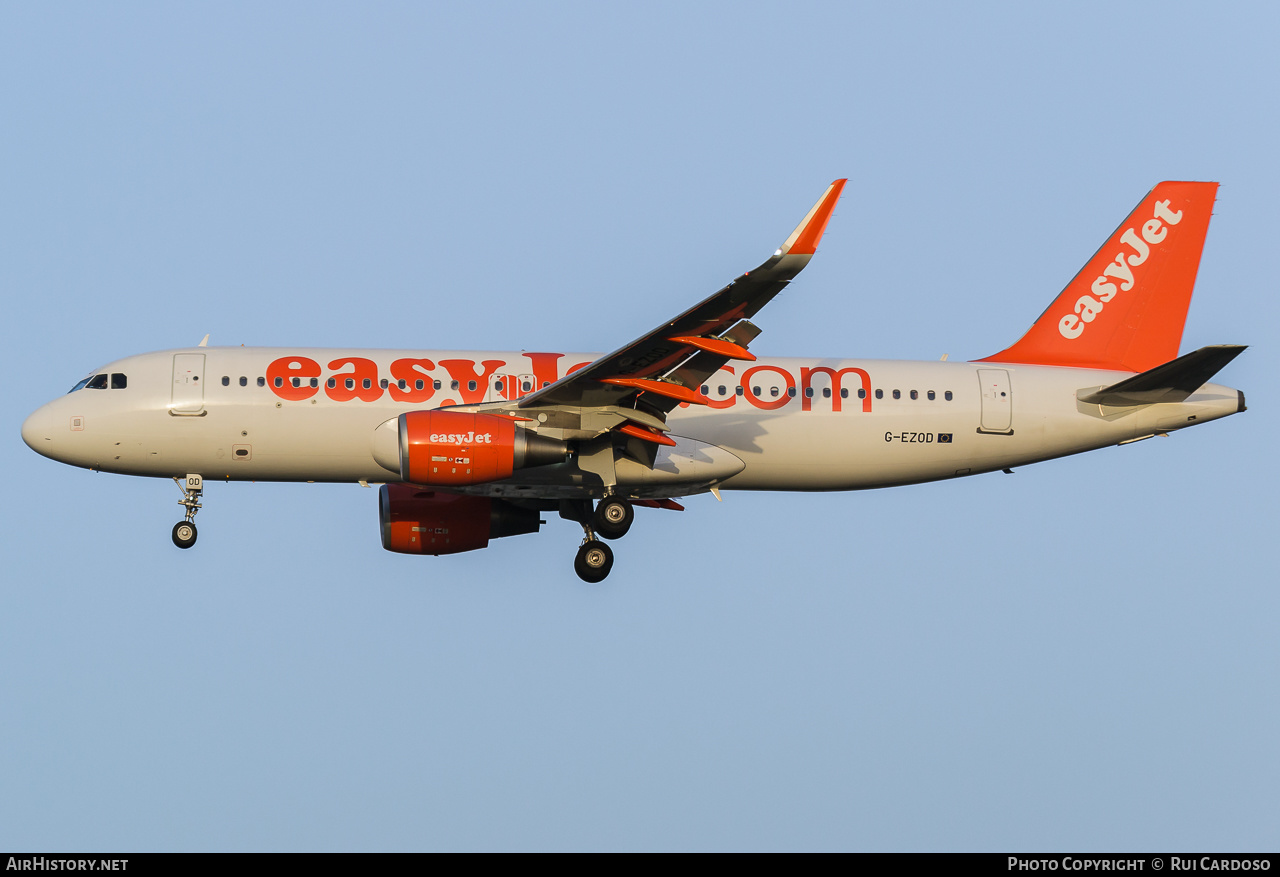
[119,381]
[97,382]
[81,385]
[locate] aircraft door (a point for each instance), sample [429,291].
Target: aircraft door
[188,381]
[997,401]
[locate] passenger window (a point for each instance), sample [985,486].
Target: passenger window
[544,384]
[418,385]
[331,383]
[119,381]
[226,380]
[453,385]
[705,389]
[314,382]
[471,385]
[932,395]
[738,390]
[497,385]
[526,386]
[897,394]
[97,382]
[947,395]
[383,383]
[721,389]
[262,382]
[367,383]
[826,392]
[351,383]
[879,394]
[844,394]
[808,392]
[434,384]
[297,382]
[915,395]
[402,383]
[773,391]
[862,393]
[244,382]
[755,391]
[791,391]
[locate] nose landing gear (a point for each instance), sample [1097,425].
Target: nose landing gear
[184,532]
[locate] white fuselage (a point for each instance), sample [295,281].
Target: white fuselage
[796,424]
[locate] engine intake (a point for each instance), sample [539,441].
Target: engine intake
[417,521]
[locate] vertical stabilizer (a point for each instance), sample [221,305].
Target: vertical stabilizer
[1126,308]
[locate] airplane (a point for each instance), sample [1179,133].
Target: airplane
[469,447]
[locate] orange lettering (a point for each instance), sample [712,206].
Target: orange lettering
[464,372]
[411,371]
[361,370]
[806,373]
[759,401]
[282,373]
[727,401]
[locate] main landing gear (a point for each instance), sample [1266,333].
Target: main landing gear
[594,560]
[184,532]
[611,519]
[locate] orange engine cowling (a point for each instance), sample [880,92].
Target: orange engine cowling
[418,521]
[462,447]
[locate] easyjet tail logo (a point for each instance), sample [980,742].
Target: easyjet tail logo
[1104,288]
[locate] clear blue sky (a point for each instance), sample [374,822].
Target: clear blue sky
[1080,656]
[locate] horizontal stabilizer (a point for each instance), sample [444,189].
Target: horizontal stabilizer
[1172,382]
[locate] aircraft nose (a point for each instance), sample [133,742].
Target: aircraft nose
[37,431]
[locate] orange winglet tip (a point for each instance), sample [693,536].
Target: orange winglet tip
[669,504]
[718,346]
[659,388]
[648,435]
[804,240]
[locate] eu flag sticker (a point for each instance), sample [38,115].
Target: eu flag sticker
[944,438]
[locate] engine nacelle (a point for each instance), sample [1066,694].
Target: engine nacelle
[418,521]
[447,448]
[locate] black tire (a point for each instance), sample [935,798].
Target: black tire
[593,562]
[613,517]
[184,534]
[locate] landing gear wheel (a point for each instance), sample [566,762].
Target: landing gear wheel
[613,517]
[184,534]
[594,561]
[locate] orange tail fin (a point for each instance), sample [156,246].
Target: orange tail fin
[1126,308]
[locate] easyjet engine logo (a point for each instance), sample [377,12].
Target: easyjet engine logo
[461,438]
[1087,307]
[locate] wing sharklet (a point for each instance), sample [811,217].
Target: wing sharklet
[804,240]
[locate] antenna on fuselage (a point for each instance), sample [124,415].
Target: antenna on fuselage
[204,342]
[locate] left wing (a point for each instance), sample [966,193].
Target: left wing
[665,367]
